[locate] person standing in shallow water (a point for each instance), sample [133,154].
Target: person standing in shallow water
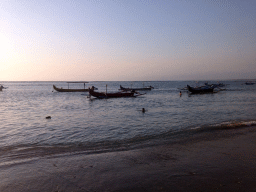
[180,93]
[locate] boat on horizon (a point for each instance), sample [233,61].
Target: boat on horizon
[249,83]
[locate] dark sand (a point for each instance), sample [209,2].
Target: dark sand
[213,161]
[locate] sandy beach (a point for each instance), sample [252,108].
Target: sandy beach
[223,160]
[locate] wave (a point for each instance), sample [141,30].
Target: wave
[227,125]
[24,153]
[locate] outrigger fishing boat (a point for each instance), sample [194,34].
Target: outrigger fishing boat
[136,89]
[202,89]
[71,90]
[106,95]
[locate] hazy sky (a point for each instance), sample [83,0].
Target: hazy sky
[46,40]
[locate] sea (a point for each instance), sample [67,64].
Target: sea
[83,125]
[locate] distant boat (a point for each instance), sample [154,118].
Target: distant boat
[249,83]
[136,89]
[202,89]
[71,90]
[102,95]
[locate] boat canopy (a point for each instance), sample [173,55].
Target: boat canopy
[77,82]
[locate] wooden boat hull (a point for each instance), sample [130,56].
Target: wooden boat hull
[204,89]
[136,89]
[69,90]
[110,95]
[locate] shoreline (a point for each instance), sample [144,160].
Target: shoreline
[214,161]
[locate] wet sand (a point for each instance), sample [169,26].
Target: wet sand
[223,160]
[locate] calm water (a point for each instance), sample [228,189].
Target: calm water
[80,123]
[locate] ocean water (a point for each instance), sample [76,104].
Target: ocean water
[79,124]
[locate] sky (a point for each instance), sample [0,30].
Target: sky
[127,40]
